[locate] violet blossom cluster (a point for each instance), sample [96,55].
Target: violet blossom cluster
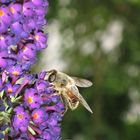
[29,107]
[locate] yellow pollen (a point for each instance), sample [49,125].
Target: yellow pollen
[20,116]
[35,116]
[12,9]
[36,37]
[16,73]
[1,13]
[9,90]
[30,99]
[1,37]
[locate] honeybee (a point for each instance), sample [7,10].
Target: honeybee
[66,86]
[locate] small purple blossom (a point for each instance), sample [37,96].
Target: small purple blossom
[21,119]
[11,89]
[38,2]
[32,98]
[39,115]
[40,40]
[3,63]
[42,86]
[5,15]
[28,9]
[16,11]
[15,70]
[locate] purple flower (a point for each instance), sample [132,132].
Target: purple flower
[15,70]
[5,15]
[42,75]
[40,10]
[40,40]
[11,89]
[5,41]
[47,135]
[28,9]
[1,84]
[42,85]
[38,2]
[16,10]
[32,99]
[4,1]
[39,116]
[30,24]
[3,63]
[3,27]
[17,28]
[51,135]
[29,52]
[21,119]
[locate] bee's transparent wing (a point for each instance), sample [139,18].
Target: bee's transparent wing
[82,82]
[45,29]
[79,97]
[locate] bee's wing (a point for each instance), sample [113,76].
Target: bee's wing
[82,82]
[79,97]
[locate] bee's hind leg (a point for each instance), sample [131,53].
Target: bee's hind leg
[64,100]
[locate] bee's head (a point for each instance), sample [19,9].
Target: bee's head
[51,75]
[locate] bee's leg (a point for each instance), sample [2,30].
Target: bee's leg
[74,105]
[64,100]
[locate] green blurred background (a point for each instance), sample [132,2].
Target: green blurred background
[98,40]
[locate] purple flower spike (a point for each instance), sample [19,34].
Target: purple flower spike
[29,106]
[40,11]
[3,43]
[21,119]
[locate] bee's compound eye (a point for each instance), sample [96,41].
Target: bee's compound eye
[52,78]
